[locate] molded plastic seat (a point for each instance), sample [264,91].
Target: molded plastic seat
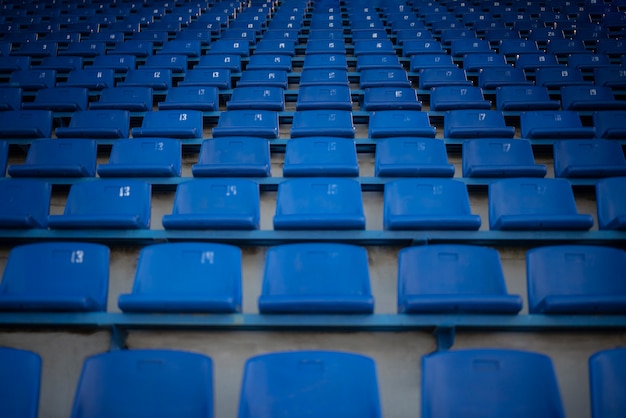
[36,49]
[96,124]
[412,157]
[26,124]
[576,279]
[230,46]
[263,123]
[534,204]
[320,97]
[323,77]
[531,62]
[90,78]
[132,99]
[456,97]
[68,276]
[453,279]
[276,48]
[428,204]
[215,204]
[513,47]
[374,62]
[118,63]
[589,158]
[157,79]
[27,203]
[321,157]
[590,98]
[323,46]
[557,77]
[610,124]
[189,48]
[106,204]
[20,376]
[391,98]
[483,61]
[411,47]
[332,61]
[315,383]
[58,158]
[138,48]
[587,61]
[611,203]
[10,98]
[613,77]
[186,277]
[205,99]
[269,78]
[607,369]
[511,98]
[83,48]
[233,157]
[553,124]
[12,63]
[269,62]
[145,157]
[59,99]
[219,77]
[322,123]
[372,47]
[316,278]
[461,47]
[611,46]
[489,382]
[500,158]
[446,76]
[177,64]
[494,77]
[182,124]
[565,47]
[390,123]
[215,62]
[34,79]
[257,98]
[158,383]
[476,124]
[319,203]
[426,61]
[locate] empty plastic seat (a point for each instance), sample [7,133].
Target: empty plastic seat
[276,48]
[483,61]
[529,97]
[186,277]
[610,46]
[33,79]
[372,62]
[494,77]
[84,48]
[181,124]
[215,204]
[257,98]
[26,124]
[145,157]
[611,203]
[476,124]
[68,276]
[20,376]
[10,98]
[157,79]
[27,203]
[36,49]
[412,157]
[384,77]
[132,99]
[323,77]
[587,61]
[202,98]
[323,46]
[263,123]
[390,98]
[553,124]
[447,76]
[565,47]
[433,204]
[576,279]
[513,47]
[106,204]
[119,63]
[269,62]
[319,203]
[390,123]
[531,62]
[607,369]
[613,77]
[233,157]
[11,63]
[322,123]
[90,78]
[138,48]
[58,158]
[413,46]
[534,204]
[500,158]
[321,157]
[329,97]
[219,77]
[59,99]
[230,62]
[312,383]
[423,62]
[159,383]
[590,98]
[610,124]
[269,78]
[110,123]
[375,46]
[453,279]
[588,158]
[316,278]
[493,382]
[188,48]
[333,61]
[461,47]
[230,46]
[177,64]
[557,77]
[457,97]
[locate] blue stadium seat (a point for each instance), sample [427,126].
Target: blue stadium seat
[317,278]
[521,97]
[494,77]
[202,36]
[412,157]
[181,124]
[576,279]
[30,203]
[390,98]
[84,49]
[233,157]
[607,384]
[483,61]
[427,61]
[215,62]
[446,76]
[514,47]
[20,376]
[118,63]
[186,277]
[476,124]
[390,123]
[374,62]
[610,124]
[36,49]
[61,64]
[315,383]
[215,204]
[58,158]
[553,124]
[321,157]
[135,47]
[565,47]
[11,63]
[461,47]
[322,123]
[332,61]
[233,37]
[323,46]
[263,123]
[158,383]
[26,124]
[106,204]
[96,124]
[68,276]
[34,79]
[323,77]
[59,99]
[372,46]
[219,77]
[230,47]
[457,97]
[534,204]
[319,203]
[157,79]
[411,47]
[589,98]
[588,158]
[90,78]
[282,48]
[324,97]
[10,98]
[495,382]
[145,157]
[588,61]
[500,158]
[188,48]
[269,78]
[428,204]
[269,62]
[203,98]
[557,77]
[257,98]
[611,203]
[453,278]
[613,77]
[132,99]
[610,47]
[177,64]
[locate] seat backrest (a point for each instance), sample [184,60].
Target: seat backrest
[500,158]
[610,124]
[548,124]
[522,97]
[181,124]
[476,124]
[27,203]
[322,122]
[145,157]
[233,156]
[105,123]
[588,158]
[410,157]
[607,383]
[321,157]
[58,158]
[26,124]
[611,203]
[20,376]
[10,98]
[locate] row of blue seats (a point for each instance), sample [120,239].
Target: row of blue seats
[313,203]
[165,383]
[313,278]
[315,157]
